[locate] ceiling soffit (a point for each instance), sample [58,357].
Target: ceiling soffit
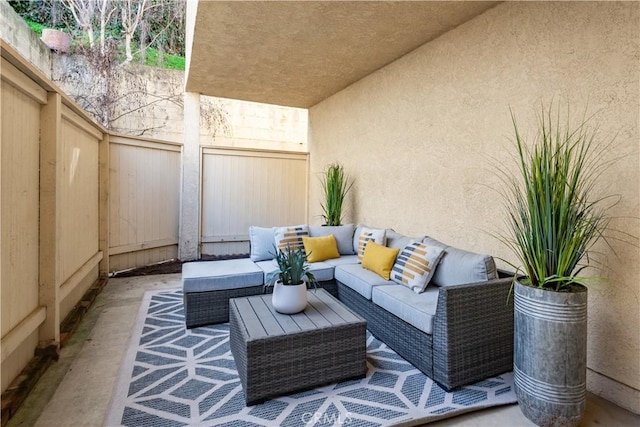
[299,53]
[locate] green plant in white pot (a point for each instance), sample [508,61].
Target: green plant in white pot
[554,218]
[335,184]
[290,280]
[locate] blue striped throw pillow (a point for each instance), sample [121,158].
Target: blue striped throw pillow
[290,237]
[415,265]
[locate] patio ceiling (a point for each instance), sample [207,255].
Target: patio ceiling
[299,53]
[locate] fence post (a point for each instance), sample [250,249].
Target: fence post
[190,191]
[48,294]
[103,203]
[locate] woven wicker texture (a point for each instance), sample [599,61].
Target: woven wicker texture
[208,308]
[211,307]
[409,342]
[473,332]
[276,354]
[472,337]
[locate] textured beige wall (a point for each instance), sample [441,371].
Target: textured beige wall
[423,135]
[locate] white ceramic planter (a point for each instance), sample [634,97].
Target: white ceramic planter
[289,299]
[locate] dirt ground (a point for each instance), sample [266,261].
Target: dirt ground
[172,266]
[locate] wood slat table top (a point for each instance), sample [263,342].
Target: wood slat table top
[260,320]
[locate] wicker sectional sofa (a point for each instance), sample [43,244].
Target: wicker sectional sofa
[458,331]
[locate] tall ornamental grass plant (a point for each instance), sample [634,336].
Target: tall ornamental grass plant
[554,216]
[336,184]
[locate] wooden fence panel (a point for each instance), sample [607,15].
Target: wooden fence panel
[20,201]
[145,202]
[20,192]
[241,188]
[75,200]
[49,189]
[77,188]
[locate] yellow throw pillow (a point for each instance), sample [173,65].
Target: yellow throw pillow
[379,259]
[320,248]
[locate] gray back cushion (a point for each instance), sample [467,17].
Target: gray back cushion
[458,266]
[342,233]
[262,242]
[400,241]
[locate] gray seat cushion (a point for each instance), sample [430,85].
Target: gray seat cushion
[219,275]
[344,259]
[267,267]
[359,279]
[342,233]
[458,266]
[321,270]
[417,310]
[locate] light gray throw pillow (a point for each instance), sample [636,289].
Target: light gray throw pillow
[261,242]
[342,233]
[458,266]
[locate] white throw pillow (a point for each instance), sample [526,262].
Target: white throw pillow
[416,265]
[366,234]
[290,237]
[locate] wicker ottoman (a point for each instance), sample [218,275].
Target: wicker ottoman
[277,354]
[207,287]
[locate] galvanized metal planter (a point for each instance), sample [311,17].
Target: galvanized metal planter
[550,355]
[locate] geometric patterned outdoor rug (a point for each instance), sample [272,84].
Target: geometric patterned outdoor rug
[172,376]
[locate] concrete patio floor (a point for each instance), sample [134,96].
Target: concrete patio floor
[76,390]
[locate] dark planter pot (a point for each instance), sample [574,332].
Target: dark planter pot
[550,355]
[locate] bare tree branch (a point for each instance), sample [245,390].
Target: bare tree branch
[131,12]
[107,8]
[111,92]
[84,13]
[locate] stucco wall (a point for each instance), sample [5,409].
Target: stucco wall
[422,138]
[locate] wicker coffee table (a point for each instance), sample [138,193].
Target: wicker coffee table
[277,353]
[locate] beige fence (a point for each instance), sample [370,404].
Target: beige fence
[21,311]
[241,188]
[53,179]
[78,203]
[144,201]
